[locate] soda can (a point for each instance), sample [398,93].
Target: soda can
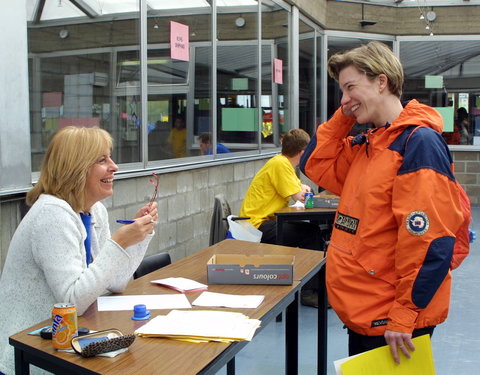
[308,200]
[64,325]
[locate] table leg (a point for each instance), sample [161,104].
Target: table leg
[279,230]
[21,366]
[231,367]
[279,242]
[291,336]
[322,324]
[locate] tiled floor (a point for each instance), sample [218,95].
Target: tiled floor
[456,342]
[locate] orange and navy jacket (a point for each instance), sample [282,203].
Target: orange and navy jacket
[389,255]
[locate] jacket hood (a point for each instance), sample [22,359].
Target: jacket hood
[416,113]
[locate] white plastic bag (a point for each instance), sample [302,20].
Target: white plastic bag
[243,230]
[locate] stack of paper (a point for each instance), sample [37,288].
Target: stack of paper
[181,284]
[201,326]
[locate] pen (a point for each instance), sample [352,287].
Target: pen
[125,221]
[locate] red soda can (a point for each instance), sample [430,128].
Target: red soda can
[64,325]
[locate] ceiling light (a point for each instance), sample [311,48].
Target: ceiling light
[63,33]
[422,17]
[240,22]
[155,26]
[431,16]
[427,27]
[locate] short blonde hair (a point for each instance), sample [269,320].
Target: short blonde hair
[373,59]
[71,153]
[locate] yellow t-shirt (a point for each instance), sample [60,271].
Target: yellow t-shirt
[178,140]
[270,190]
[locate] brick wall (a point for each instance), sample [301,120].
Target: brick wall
[467,171]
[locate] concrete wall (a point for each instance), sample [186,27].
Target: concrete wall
[345,16]
[467,172]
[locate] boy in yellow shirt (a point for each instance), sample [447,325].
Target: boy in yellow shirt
[272,188]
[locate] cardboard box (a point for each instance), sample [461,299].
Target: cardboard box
[254,269]
[325,201]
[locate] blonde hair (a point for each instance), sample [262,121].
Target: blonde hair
[373,59]
[71,153]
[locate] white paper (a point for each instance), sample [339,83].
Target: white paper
[298,204]
[152,302]
[338,364]
[201,324]
[228,300]
[181,284]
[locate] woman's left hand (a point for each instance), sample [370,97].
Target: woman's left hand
[151,208]
[399,341]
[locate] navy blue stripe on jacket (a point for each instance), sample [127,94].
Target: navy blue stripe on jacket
[425,149]
[308,151]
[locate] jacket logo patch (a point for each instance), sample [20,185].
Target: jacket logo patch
[378,323]
[417,223]
[346,223]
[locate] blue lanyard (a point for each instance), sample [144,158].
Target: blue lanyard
[87,221]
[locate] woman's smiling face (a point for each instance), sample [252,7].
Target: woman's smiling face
[99,184]
[361,96]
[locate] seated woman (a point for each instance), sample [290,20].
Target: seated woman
[62,251]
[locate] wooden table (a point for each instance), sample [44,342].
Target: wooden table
[163,356]
[320,216]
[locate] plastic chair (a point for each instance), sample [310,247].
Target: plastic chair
[219,225]
[152,263]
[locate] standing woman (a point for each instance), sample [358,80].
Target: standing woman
[388,261]
[62,251]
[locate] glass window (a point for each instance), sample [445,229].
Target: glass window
[307,78]
[444,74]
[237,79]
[73,83]
[179,93]
[275,26]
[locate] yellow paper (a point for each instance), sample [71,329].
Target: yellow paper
[380,362]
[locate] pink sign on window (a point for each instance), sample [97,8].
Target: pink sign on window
[52,99]
[179,48]
[87,122]
[277,71]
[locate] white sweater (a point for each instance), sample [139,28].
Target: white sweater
[46,264]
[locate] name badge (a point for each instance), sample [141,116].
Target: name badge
[346,223]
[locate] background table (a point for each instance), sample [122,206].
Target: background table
[317,215]
[163,356]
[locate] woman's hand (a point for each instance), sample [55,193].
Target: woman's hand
[347,111]
[399,341]
[151,208]
[135,232]
[145,220]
